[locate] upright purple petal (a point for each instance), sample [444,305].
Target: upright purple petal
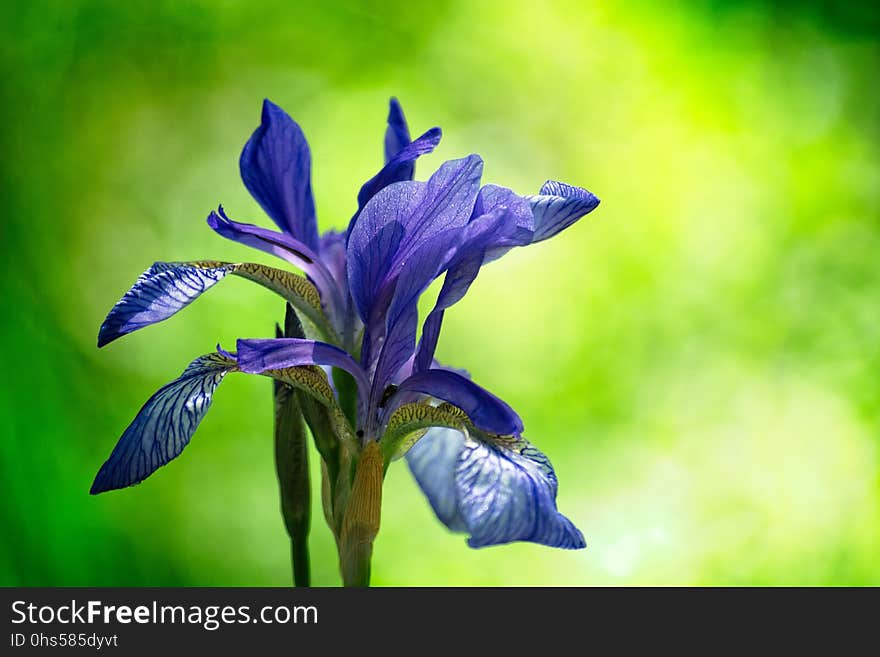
[398,168]
[397,133]
[399,219]
[485,410]
[401,319]
[276,167]
[331,250]
[400,156]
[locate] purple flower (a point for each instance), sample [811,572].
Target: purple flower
[359,301]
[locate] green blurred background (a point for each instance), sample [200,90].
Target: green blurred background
[700,357]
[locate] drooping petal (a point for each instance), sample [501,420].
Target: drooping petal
[433,460]
[485,410]
[164,425]
[399,219]
[397,133]
[497,492]
[276,168]
[508,493]
[167,287]
[158,293]
[558,206]
[255,356]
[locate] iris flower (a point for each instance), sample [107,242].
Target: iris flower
[348,362]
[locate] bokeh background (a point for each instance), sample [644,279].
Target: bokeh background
[700,357]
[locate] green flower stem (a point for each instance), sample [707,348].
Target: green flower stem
[292,464]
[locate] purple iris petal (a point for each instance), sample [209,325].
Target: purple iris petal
[492,197]
[495,493]
[258,355]
[558,206]
[398,168]
[164,426]
[276,168]
[401,318]
[331,248]
[400,156]
[432,461]
[479,235]
[510,495]
[524,222]
[160,292]
[397,132]
[269,241]
[284,246]
[398,220]
[485,410]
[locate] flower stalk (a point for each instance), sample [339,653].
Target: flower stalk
[292,464]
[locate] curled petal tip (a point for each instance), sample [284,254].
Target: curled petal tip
[217,217]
